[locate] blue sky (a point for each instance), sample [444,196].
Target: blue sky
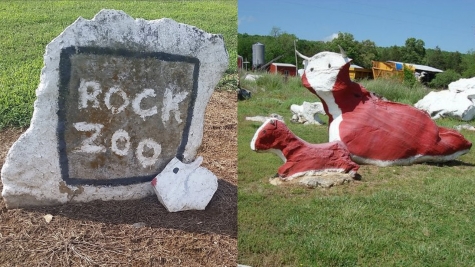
[447,24]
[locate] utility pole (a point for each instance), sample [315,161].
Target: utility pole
[295,52]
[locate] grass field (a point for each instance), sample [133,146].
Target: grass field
[26,27]
[420,215]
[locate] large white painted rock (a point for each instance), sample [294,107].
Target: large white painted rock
[462,85]
[447,104]
[118,99]
[307,113]
[457,101]
[181,187]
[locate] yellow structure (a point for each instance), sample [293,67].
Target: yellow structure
[357,72]
[389,69]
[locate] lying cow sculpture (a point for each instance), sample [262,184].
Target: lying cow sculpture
[376,131]
[300,157]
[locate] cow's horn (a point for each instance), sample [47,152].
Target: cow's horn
[302,56]
[342,52]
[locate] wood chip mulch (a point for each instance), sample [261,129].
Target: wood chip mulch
[137,232]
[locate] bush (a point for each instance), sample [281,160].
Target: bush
[409,78]
[443,79]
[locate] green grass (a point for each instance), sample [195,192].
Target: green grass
[26,27]
[419,215]
[396,91]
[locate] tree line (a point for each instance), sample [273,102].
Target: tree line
[455,65]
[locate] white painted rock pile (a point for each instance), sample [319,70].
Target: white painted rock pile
[457,102]
[307,113]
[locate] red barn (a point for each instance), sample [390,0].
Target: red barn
[283,68]
[239,62]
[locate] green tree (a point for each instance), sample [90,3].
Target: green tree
[435,58]
[286,42]
[369,52]
[468,65]
[308,48]
[349,44]
[272,48]
[245,42]
[414,51]
[454,61]
[393,53]
[280,43]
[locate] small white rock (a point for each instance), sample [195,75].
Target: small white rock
[48,218]
[183,186]
[139,225]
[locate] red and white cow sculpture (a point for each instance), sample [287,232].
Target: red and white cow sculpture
[301,157]
[376,131]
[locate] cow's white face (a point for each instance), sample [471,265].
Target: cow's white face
[321,71]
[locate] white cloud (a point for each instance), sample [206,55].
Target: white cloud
[330,37]
[246,19]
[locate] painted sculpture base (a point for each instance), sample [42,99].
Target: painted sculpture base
[319,179]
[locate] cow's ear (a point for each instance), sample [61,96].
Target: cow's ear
[272,122]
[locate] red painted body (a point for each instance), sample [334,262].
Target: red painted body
[300,155]
[381,130]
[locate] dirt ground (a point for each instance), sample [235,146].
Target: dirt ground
[139,232]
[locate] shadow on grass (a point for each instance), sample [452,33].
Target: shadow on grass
[453,163]
[220,216]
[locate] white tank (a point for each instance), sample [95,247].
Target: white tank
[258,53]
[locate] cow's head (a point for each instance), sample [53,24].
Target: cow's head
[269,136]
[321,70]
